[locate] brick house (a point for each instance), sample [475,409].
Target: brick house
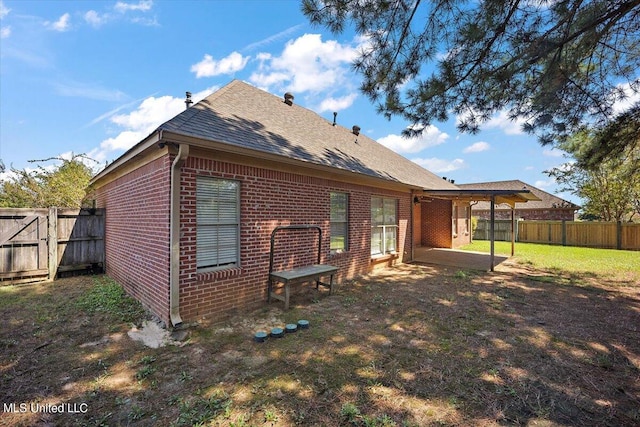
[190,209]
[548,207]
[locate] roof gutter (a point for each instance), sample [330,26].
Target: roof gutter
[198,143]
[174,236]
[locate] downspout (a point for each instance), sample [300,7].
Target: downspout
[174,235]
[413,224]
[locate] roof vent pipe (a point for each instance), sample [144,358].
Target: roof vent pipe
[335,114]
[288,98]
[356,130]
[188,101]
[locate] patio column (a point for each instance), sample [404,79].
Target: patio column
[513,229]
[492,230]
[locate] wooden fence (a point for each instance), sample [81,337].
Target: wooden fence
[608,235]
[502,230]
[38,244]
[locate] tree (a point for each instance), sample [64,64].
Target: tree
[64,185]
[610,188]
[556,64]
[621,138]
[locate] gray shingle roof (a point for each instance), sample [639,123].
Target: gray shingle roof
[547,200]
[245,116]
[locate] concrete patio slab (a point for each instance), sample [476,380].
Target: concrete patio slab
[456,258]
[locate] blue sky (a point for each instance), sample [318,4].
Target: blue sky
[95,77]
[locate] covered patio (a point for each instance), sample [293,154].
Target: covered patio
[482,261]
[456,258]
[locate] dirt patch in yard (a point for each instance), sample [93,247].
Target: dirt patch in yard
[410,346]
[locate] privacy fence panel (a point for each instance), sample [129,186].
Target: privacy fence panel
[592,234]
[607,235]
[540,232]
[80,238]
[38,244]
[630,236]
[23,243]
[502,230]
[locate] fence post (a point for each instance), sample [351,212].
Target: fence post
[52,241]
[619,235]
[564,232]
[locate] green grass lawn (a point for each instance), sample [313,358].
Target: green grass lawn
[601,262]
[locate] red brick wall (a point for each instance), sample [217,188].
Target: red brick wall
[268,199]
[137,233]
[436,223]
[529,214]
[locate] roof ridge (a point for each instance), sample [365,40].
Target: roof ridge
[194,111]
[241,114]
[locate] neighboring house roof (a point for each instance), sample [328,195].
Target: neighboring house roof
[547,200]
[247,117]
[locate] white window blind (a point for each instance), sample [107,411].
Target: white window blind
[384,225]
[218,222]
[339,222]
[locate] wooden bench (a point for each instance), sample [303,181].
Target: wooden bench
[300,275]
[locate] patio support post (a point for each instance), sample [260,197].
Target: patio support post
[513,229]
[492,235]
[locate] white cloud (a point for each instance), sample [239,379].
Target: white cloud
[5,32]
[147,22]
[544,184]
[440,165]
[507,125]
[477,147]
[95,19]
[138,124]
[273,38]
[83,90]
[210,67]
[337,104]
[4,10]
[150,113]
[60,25]
[431,136]
[123,141]
[306,64]
[142,5]
[553,152]
[8,175]
[631,98]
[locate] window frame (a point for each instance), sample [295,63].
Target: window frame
[388,227]
[467,220]
[454,220]
[344,223]
[201,180]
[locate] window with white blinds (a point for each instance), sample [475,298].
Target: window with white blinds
[218,223]
[384,226]
[339,218]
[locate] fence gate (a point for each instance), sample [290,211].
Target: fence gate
[38,244]
[23,244]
